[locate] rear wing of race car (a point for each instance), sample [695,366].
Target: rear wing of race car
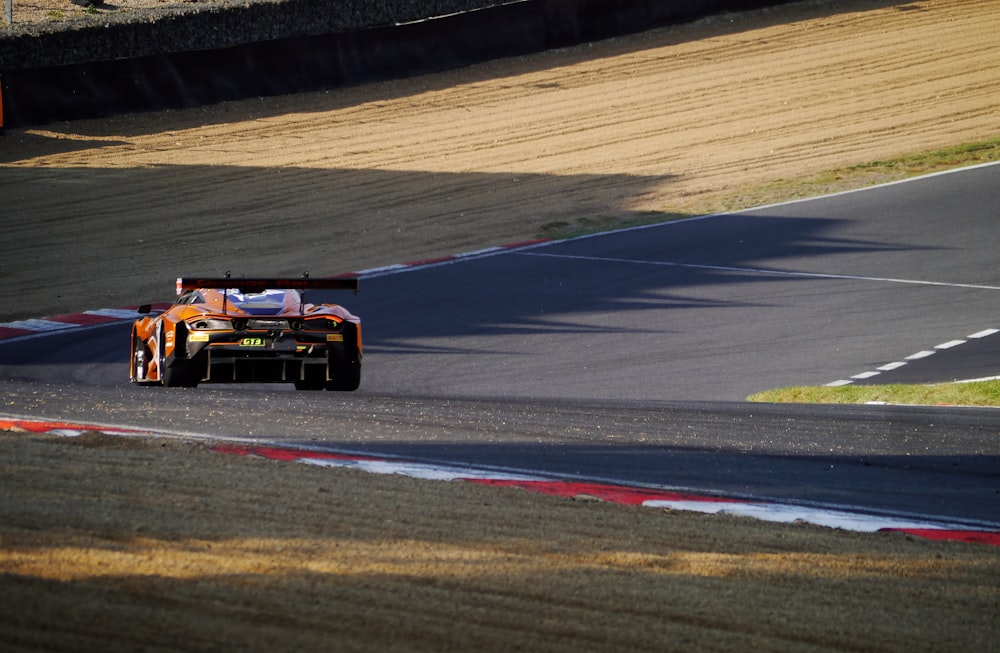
[261,284]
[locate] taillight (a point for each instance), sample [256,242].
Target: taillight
[323,324]
[210,324]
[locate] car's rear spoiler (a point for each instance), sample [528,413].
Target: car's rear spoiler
[245,285]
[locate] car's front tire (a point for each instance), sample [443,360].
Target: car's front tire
[137,371]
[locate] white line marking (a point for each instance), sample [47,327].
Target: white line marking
[920,354]
[386,269]
[784,273]
[481,252]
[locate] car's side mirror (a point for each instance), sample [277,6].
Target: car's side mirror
[144,309]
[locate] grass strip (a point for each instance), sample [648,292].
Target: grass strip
[975,393]
[827,182]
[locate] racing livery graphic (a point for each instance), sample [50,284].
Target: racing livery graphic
[226,330]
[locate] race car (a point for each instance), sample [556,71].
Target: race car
[227,330]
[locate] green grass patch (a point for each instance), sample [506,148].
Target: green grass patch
[977,393]
[937,160]
[861,175]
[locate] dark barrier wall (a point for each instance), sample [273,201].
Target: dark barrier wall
[34,96]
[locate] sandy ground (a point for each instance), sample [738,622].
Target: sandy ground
[154,545]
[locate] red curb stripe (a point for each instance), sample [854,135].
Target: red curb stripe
[526,243]
[975,537]
[35,426]
[611,493]
[287,455]
[38,427]
[617,494]
[13,332]
[78,319]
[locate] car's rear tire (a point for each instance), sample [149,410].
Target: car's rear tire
[179,375]
[313,377]
[345,377]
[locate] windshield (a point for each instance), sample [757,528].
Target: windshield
[267,302]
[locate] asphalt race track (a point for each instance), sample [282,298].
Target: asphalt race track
[626,356]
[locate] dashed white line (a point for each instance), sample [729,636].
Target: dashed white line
[815,275]
[912,357]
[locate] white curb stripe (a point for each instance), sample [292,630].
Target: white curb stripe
[416,470]
[39,325]
[793,514]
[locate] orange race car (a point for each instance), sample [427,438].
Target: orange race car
[249,330]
